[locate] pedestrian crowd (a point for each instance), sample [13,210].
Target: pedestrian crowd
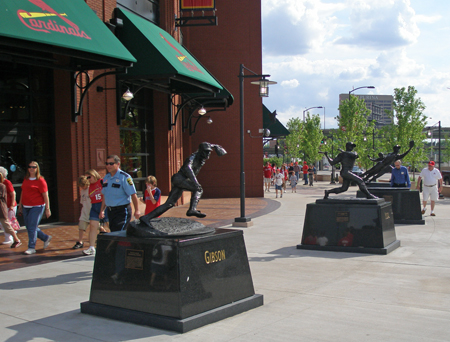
[105,204]
[280,176]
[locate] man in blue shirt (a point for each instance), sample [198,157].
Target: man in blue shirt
[400,177]
[118,192]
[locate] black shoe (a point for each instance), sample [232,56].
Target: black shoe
[78,245]
[195,213]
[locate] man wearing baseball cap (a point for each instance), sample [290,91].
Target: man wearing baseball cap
[432,185]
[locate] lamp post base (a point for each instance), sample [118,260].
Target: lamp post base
[243,222]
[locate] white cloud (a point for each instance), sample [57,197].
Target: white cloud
[290,83]
[427,19]
[381,24]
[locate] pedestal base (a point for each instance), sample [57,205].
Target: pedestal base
[171,279]
[354,225]
[170,323]
[405,203]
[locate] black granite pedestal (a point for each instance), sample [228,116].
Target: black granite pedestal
[405,203]
[350,225]
[175,284]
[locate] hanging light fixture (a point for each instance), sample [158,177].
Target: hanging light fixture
[128,95]
[202,111]
[264,86]
[209,121]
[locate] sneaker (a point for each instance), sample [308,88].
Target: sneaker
[424,210]
[89,251]
[276,196]
[7,242]
[30,251]
[78,245]
[16,244]
[432,214]
[281,196]
[46,243]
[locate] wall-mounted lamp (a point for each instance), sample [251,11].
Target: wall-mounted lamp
[265,133]
[202,111]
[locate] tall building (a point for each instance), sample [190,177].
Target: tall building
[66,63]
[378,105]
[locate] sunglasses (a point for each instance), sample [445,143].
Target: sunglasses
[32,167]
[110,163]
[88,177]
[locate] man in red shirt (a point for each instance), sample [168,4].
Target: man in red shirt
[267,176]
[305,172]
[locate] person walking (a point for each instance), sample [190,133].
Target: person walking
[33,203]
[279,179]
[85,201]
[267,176]
[297,170]
[400,176]
[10,202]
[432,186]
[118,193]
[4,215]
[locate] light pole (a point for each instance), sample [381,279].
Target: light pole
[332,156]
[307,110]
[430,133]
[323,118]
[351,91]
[263,83]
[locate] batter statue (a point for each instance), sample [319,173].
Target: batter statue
[347,159]
[186,180]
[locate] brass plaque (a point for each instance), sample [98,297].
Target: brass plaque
[342,216]
[134,259]
[388,198]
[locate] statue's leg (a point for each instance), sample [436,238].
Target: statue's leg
[174,196]
[195,198]
[343,188]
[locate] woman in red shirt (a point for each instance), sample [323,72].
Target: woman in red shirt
[33,203]
[10,201]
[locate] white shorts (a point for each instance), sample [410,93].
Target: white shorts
[430,192]
[267,180]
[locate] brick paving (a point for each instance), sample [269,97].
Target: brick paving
[220,212]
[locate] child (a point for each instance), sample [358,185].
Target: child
[96,197]
[152,195]
[83,221]
[279,178]
[293,180]
[4,215]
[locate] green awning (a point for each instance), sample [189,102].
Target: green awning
[161,60]
[270,122]
[222,99]
[51,28]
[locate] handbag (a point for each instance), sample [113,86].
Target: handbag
[13,220]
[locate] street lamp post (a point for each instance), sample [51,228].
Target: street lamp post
[263,83]
[307,110]
[332,166]
[351,91]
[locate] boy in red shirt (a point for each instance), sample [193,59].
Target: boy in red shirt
[152,195]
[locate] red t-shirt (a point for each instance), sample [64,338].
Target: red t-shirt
[305,169]
[149,206]
[32,191]
[267,172]
[95,191]
[346,241]
[9,190]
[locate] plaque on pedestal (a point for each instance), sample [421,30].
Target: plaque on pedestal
[405,203]
[173,283]
[349,225]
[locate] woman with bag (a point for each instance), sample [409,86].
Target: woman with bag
[4,214]
[34,202]
[10,202]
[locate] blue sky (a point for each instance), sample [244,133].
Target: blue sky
[317,49]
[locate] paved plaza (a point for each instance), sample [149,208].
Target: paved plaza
[308,295]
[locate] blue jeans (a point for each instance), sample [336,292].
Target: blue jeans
[32,216]
[305,178]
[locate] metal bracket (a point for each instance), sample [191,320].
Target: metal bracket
[209,20]
[78,112]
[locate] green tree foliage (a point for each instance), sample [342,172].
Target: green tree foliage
[408,124]
[305,138]
[353,126]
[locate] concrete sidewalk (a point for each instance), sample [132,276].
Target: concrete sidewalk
[308,295]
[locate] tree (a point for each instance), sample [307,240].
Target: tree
[353,126]
[408,124]
[305,138]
